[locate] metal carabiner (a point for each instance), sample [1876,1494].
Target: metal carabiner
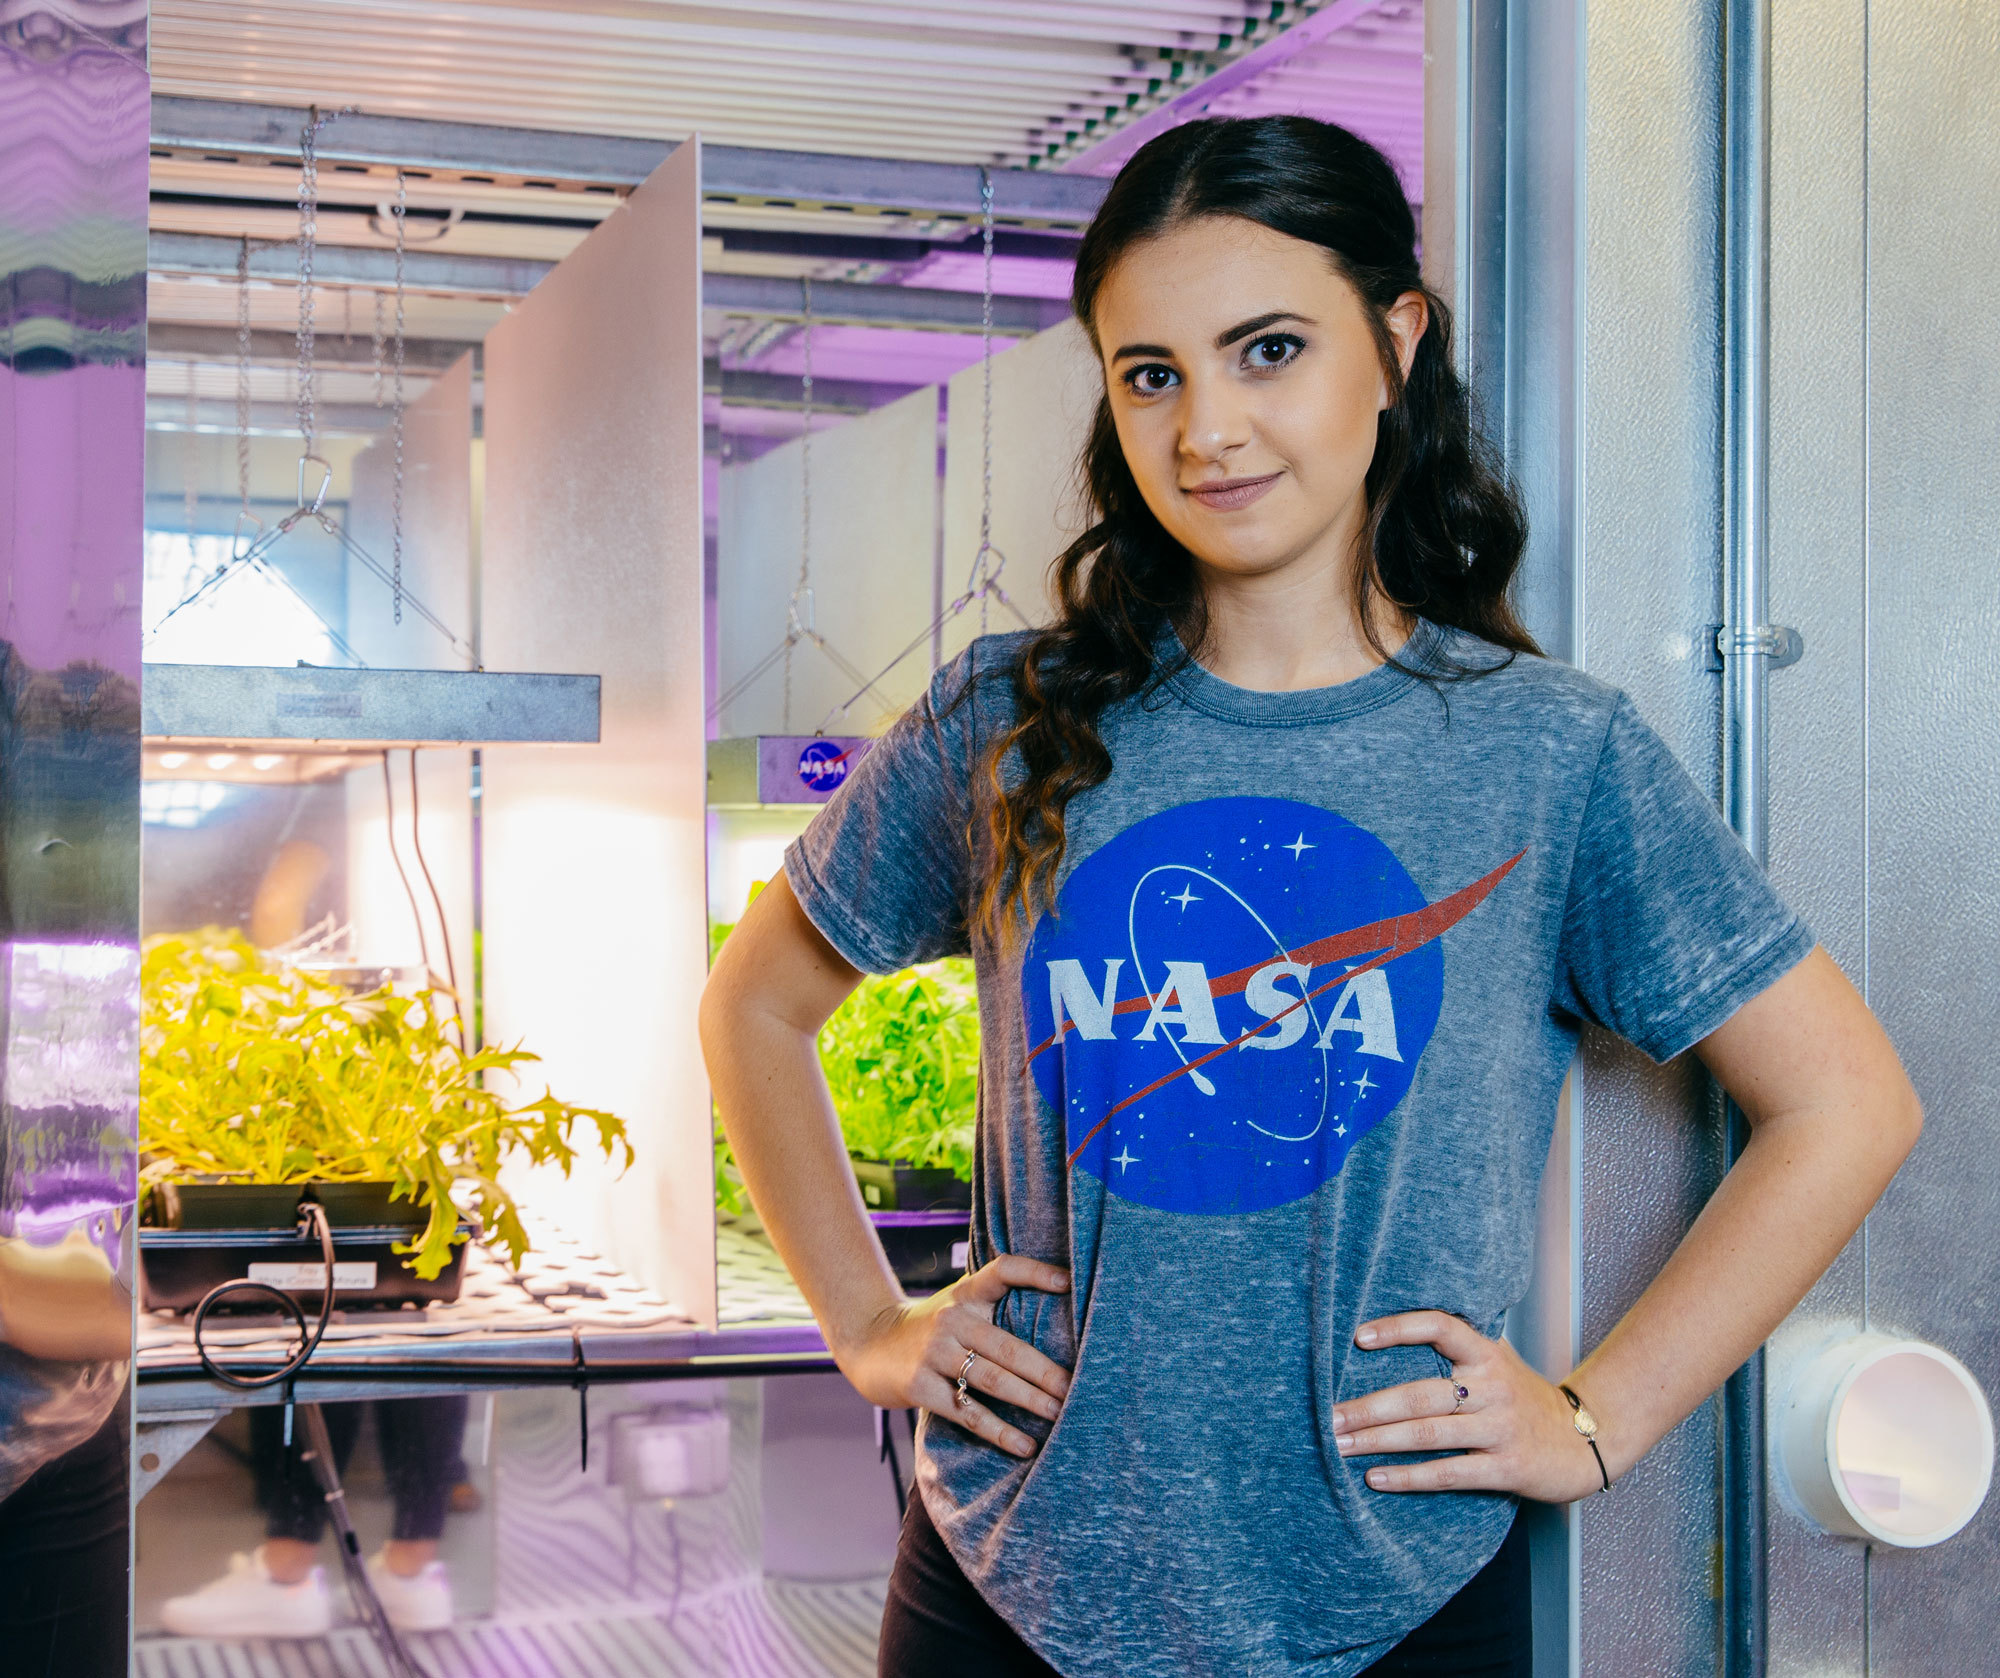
[325,482]
[238,547]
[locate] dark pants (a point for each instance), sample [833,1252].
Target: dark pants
[935,1622]
[419,1439]
[63,1543]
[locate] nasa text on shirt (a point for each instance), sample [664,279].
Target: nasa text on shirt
[1234,992]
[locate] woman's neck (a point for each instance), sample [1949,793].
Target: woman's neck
[1292,629]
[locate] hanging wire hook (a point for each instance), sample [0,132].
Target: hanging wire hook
[983,569]
[396,515]
[982,585]
[796,627]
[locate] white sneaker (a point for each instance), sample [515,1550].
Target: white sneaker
[420,1602]
[247,1602]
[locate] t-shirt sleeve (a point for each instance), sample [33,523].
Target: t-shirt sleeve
[1670,925]
[884,870]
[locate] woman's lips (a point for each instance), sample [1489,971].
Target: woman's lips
[1230,493]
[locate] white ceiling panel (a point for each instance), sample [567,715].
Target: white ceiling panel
[942,80]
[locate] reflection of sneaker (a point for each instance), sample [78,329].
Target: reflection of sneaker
[421,1602]
[247,1602]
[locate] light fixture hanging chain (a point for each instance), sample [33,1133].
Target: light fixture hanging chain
[243,379]
[190,485]
[396,517]
[985,391]
[308,246]
[795,625]
[983,584]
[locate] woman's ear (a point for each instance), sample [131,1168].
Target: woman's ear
[1407,319]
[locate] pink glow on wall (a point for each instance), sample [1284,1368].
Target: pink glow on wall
[855,352]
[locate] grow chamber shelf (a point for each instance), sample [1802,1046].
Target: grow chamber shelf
[289,723]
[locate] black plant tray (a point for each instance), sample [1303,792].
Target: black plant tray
[178,1266]
[888,1186]
[240,1206]
[926,1249]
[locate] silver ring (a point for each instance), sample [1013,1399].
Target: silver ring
[964,1373]
[1460,1393]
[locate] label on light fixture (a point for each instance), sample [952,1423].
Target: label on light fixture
[823,764]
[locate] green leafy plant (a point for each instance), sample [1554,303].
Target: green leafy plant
[252,1072]
[901,1058]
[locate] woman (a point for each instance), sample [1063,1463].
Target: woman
[1291,872]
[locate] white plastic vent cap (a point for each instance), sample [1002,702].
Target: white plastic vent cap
[1886,1439]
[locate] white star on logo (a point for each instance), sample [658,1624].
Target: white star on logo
[1186,897]
[1124,1159]
[1298,847]
[1364,1083]
[1340,1130]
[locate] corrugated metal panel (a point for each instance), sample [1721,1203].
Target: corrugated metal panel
[902,78]
[1366,74]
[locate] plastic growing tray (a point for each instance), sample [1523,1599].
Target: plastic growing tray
[887,1186]
[178,1266]
[926,1249]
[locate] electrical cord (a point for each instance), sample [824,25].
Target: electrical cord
[312,1221]
[319,1448]
[319,1453]
[437,901]
[396,856]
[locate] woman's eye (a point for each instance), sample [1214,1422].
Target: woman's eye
[1151,379]
[1274,351]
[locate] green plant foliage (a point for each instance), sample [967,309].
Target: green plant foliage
[251,1072]
[901,1058]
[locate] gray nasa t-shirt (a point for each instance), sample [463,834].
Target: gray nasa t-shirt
[1286,1059]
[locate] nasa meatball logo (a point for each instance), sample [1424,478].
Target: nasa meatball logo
[1233,994]
[823,765]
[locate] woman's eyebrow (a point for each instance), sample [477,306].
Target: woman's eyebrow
[1223,340]
[1244,329]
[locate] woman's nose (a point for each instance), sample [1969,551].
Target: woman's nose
[1214,420]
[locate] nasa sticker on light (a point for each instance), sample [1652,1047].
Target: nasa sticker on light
[1233,994]
[823,765]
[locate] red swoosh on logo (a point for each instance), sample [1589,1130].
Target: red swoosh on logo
[1392,938]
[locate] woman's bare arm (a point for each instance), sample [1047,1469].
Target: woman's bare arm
[1831,1115]
[775,984]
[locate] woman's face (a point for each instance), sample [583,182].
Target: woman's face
[1245,384]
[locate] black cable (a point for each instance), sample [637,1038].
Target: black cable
[319,1453]
[319,1449]
[437,902]
[580,1379]
[885,1422]
[396,856]
[312,1220]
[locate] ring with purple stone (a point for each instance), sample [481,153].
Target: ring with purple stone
[1460,1393]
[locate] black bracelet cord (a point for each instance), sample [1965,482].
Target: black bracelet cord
[1590,1438]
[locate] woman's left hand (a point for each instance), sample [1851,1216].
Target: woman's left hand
[1515,1432]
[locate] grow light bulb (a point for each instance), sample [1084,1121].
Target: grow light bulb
[266,760]
[221,760]
[172,760]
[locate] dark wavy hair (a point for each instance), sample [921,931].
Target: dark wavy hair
[1444,532]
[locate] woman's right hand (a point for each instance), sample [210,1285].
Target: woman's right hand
[910,1358]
